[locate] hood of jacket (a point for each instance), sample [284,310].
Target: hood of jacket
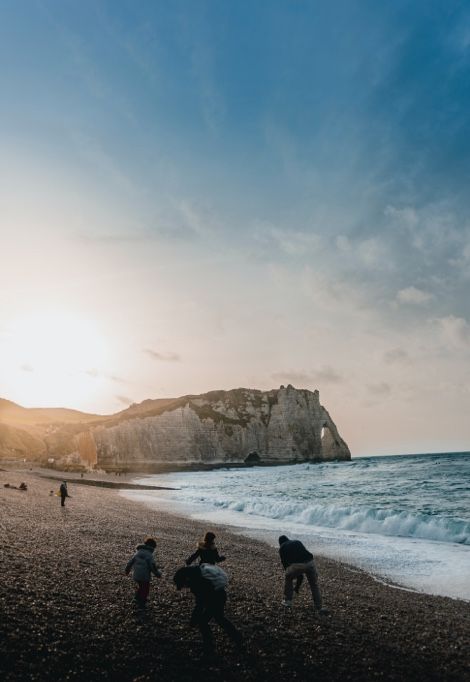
[146,547]
[203,545]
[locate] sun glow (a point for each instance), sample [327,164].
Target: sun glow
[55,359]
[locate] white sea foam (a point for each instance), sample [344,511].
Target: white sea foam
[404,519]
[361,519]
[430,566]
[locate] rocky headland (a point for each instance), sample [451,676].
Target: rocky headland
[221,428]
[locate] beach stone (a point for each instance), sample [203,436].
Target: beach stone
[84,628]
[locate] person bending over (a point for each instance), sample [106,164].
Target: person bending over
[208,584]
[297,562]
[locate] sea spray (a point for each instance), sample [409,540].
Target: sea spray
[403,517]
[360,519]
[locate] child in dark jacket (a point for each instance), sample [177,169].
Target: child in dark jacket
[206,551]
[143,565]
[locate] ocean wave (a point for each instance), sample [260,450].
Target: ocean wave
[357,519]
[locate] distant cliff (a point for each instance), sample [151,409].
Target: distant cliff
[219,428]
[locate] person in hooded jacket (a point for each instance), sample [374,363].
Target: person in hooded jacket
[207,583]
[206,551]
[143,565]
[297,562]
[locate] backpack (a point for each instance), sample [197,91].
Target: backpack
[217,577]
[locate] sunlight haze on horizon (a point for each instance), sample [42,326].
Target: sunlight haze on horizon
[212,195]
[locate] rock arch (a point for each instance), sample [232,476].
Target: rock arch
[332,445]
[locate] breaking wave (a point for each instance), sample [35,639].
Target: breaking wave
[356,519]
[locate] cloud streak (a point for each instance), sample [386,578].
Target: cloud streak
[413,296]
[454,332]
[95,374]
[324,375]
[162,356]
[125,400]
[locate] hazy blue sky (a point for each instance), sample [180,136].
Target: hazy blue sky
[199,195]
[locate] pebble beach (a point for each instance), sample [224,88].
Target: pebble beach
[66,607]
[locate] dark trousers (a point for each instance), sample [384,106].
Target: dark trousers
[214,608]
[297,571]
[62,500]
[142,590]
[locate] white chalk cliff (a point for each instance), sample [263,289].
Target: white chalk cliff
[219,428]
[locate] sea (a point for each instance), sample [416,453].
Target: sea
[405,519]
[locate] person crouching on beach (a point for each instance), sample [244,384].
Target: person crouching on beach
[207,583]
[297,562]
[143,565]
[206,551]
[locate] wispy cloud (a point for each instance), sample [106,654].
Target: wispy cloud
[396,356]
[373,253]
[163,356]
[454,332]
[327,375]
[93,152]
[117,380]
[196,38]
[324,375]
[297,379]
[436,230]
[212,103]
[407,216]
[380,389]
[196,217]
[124,399]
[92,373]
[413,296]
[462,260]
[137,235]
[95,373]
[367,256]
[290,242]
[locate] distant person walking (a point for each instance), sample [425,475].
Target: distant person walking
[206,551]
[143,565]
[298,561]
[208,584]
[63,491]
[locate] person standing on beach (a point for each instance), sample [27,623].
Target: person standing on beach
[143,564]
[206,551]
[208,584]
[297,562]
[63,491]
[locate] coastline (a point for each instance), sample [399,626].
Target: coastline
[341,515]
[153,468]
[48,628]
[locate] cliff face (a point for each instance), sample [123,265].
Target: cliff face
[18,443]
[222,427]
[214,429]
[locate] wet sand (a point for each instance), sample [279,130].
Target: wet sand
[66,608]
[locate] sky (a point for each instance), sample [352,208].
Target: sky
[215,194]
